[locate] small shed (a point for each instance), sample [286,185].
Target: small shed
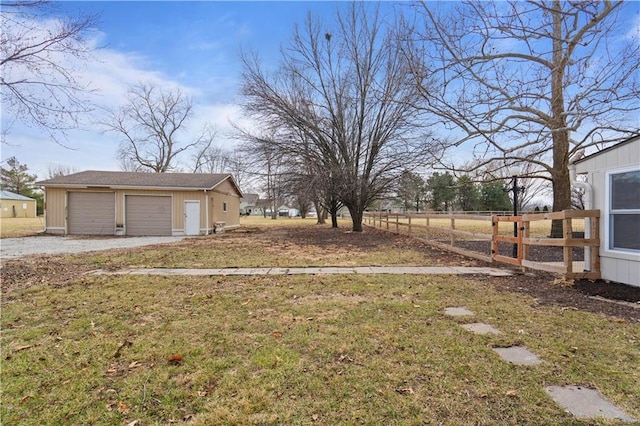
[613,187]
[129,203]
[16,205]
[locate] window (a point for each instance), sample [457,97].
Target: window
[224,207]
[624,211]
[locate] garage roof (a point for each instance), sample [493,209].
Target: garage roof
[95,178]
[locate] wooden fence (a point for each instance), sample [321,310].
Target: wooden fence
[482,237]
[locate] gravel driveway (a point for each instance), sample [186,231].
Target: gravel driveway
[14,248]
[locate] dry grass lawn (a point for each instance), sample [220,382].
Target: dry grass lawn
[12,227]
[120,350]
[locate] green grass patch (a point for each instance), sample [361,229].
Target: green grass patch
[299,350]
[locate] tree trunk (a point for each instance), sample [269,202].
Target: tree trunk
[319,213]
[560,174]
[356,218]
[334,208]
[334,220]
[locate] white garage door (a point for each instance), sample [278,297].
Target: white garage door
[148,215]
[91,213]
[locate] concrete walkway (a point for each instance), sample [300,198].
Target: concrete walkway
[396,270]
[580,401]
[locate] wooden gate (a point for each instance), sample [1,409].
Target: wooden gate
[588,239]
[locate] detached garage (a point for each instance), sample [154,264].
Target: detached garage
[127,203]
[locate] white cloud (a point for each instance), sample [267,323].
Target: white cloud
[110,73]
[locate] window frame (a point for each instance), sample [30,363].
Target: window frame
[610,212]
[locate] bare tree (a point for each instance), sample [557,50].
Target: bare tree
[528,82]
[55,170]
[346,89]
[533,182]
[216,159]
[38,82]
[153,125]
[267,164]
[213,159]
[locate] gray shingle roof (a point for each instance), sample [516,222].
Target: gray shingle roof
[8,195]
[94,178]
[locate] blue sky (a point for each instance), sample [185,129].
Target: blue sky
[191,45]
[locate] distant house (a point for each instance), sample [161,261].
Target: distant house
[16,205]
[286,211]
[126,203]
[249,205]
[613,186]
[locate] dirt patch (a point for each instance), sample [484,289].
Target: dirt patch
[53,271]
[583,295]
[287,241]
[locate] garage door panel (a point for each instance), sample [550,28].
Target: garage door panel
[91,213]
[148,215]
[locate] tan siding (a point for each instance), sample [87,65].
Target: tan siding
[225,192]
[232,216]
[15,208]
[226,187]
[55,210]
[179,197]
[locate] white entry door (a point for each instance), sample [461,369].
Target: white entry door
[192,217]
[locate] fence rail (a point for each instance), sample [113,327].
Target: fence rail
[482,237]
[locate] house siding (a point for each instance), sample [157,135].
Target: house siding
[15,208]
[617,266]
[225,193]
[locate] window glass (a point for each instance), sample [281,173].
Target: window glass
[624,212]
[625,190]
[625,231]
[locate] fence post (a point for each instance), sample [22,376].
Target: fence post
[386,216]
[453,227]
[567,251]
[426,232]
[397,223]
[595,254]
[494,236]
[520,229]
[409,224]
[526,229]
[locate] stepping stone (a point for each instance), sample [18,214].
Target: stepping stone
[518,355]
[457,312]
[480,328]
[586,403]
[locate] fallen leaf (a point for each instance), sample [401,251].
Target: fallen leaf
[276,334]
[512,392]
[123,408]
[133,423]
[315,417]
[175,359]
[134,364]
[405,391]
